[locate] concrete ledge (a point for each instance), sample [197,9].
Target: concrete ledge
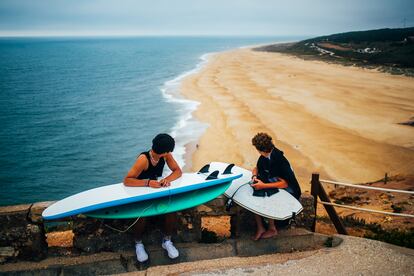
[23,231]
[296,239]
[125,261]
[14,216]
[35,214]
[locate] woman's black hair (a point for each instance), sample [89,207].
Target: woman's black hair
[163,143]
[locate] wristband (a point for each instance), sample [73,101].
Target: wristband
[255,175]
[148,182]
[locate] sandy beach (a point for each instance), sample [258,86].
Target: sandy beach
[342,122]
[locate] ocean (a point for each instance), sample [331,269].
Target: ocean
[76,112]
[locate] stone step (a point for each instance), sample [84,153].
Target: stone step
[125,261]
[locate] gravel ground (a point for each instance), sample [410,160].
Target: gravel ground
[355,256]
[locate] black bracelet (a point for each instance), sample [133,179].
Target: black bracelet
[255,175]
[148,182]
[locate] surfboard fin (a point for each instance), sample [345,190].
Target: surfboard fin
[204,169]
[212,175]
[228,169]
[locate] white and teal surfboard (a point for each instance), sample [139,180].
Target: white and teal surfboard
[119,194]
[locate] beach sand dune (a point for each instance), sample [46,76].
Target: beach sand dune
[342,122]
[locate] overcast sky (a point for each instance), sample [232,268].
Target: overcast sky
[200,17]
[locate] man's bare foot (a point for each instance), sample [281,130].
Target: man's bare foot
[269,233]
[258,235]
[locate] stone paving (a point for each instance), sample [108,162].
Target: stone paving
[354,256]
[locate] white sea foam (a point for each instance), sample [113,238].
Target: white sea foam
[187,129]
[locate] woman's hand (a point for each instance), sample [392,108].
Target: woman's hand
[259,185]
[154,184]
[165,182]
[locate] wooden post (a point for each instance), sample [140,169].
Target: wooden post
[385,178]
[340,228]
[314,192]
[235,222]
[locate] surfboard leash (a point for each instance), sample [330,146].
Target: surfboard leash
[130,226]
[229,202]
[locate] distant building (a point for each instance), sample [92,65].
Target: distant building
[368,50]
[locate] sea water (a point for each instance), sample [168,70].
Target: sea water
[76,112]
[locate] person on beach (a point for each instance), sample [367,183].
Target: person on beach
[272,172]
[144,173]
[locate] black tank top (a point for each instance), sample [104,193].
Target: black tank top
[153,172]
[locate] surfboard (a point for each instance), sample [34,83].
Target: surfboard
[162,205]
[119,194]
[279,206]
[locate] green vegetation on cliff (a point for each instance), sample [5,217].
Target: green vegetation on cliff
[390,49]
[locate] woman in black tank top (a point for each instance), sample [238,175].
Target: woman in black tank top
[153,171]
[145,173]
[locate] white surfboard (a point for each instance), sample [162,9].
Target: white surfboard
[119,194]
[279,206]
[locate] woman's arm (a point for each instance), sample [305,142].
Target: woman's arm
[174,167]
[131,178]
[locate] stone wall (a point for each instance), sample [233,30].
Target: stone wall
[22,235]
[22,229]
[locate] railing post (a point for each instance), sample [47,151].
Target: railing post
[314,192]
[340,228]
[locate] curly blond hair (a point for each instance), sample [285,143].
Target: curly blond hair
[263,142]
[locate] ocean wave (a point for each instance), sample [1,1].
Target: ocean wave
[187,129]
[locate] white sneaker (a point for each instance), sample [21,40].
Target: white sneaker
[142,256]
[172,251]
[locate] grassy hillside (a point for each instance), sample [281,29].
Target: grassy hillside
[390,49]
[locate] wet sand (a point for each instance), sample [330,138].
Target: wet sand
[342,122]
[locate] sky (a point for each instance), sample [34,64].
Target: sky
[200,17]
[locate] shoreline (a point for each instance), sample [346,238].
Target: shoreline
[233,84]
[184,128]
[187,123]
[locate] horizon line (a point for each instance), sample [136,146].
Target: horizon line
[27,35]
[125,33]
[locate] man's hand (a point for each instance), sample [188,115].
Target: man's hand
[259,184]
